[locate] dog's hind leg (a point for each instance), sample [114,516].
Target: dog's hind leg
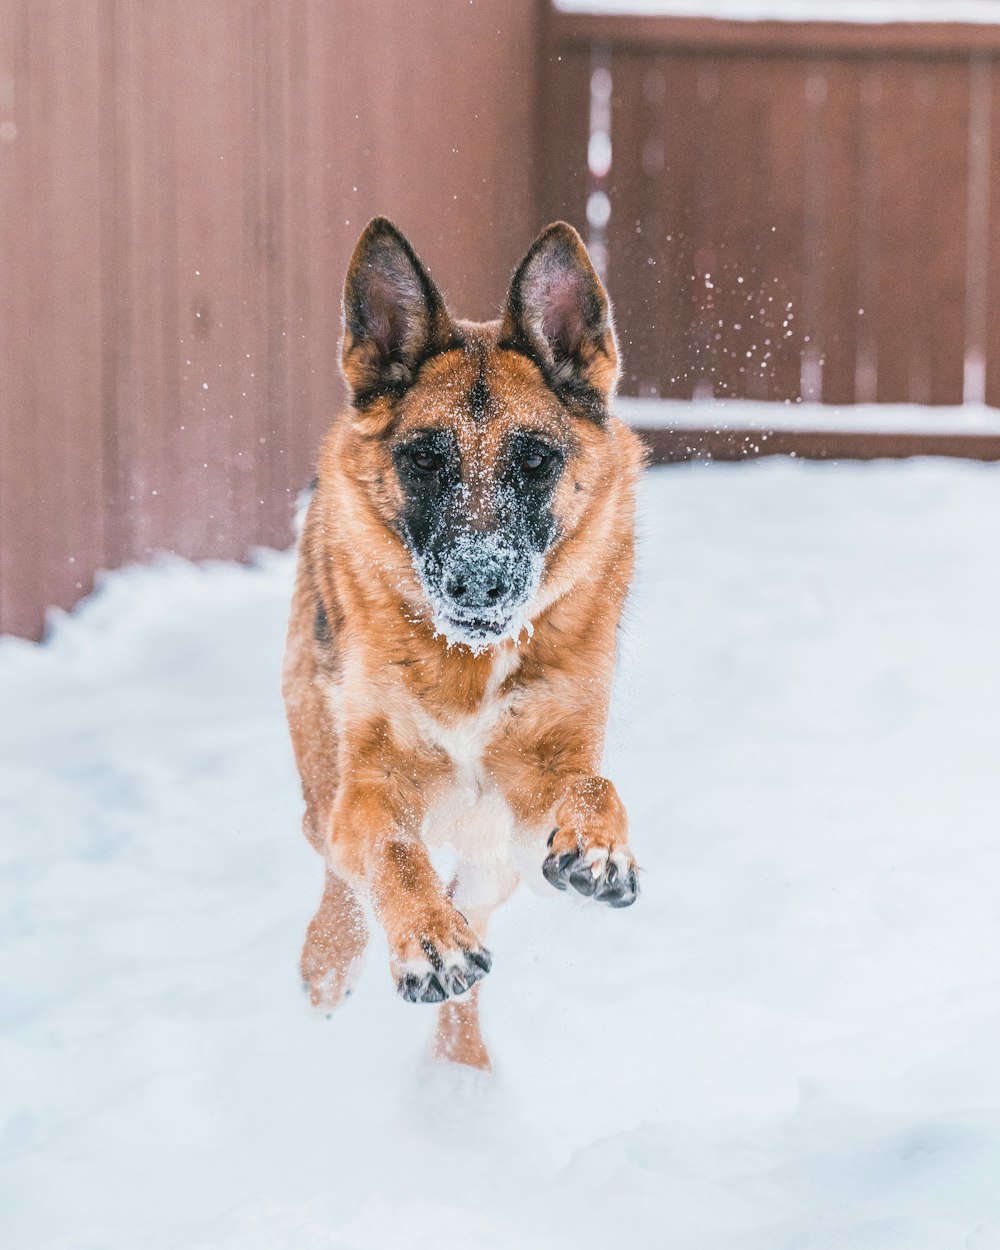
[335,945]
[477,891]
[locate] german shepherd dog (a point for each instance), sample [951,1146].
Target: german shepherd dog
[462,569]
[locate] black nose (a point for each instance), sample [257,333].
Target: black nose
[470,592]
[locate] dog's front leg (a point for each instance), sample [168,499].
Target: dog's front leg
[375,844]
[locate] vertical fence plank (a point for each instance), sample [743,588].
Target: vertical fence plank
[635,228]
[677,147]
[840,307]
[922,203]
[782,248]
[52,485]
[993,258]
[140,280]
[944,231]
[226,248]
[19,446]
[726,256]
[565,123]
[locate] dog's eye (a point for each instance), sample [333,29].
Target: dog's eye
[426,461]
[535,460]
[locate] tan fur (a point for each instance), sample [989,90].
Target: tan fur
[402,740]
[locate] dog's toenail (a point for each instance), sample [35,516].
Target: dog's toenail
[433,991]
[550,871]
[482,960]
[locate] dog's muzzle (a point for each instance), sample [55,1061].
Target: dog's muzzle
[480,585]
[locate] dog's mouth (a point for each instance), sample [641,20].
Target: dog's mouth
[479,630]
[480,591]
[477,626]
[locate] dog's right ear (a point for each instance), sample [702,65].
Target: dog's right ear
[394,316]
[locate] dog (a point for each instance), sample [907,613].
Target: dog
[462,569]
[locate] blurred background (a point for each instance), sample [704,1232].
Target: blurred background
[789,212]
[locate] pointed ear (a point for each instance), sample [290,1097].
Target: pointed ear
[558,313]
[394,316]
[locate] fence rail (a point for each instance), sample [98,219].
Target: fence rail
[787,210]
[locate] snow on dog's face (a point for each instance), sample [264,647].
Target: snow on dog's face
[479,446]
[478,517]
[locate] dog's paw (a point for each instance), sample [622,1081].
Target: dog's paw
[444,977]
[608,876]
[327,994]
[329,974]
[443,962]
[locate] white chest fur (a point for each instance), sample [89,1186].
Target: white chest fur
[471,816]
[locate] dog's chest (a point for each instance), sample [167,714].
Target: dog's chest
[471,814]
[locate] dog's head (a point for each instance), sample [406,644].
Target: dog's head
[480,446]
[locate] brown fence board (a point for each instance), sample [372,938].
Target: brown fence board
[565,128]
[636,227]
[51,482]
[943,241]
[140,309]
[19,444]
[676,183]
[841,319]
[900,119]
[993,260]
[921,206]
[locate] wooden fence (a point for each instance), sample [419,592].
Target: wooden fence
[788,210]
[182,181]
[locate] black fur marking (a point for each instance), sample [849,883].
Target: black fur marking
[479,398]
[364,399]
[582,399]
[478,569]
[321,625]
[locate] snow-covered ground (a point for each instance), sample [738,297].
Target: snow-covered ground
[791,1041]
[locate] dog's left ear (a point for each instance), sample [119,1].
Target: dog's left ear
[558,312]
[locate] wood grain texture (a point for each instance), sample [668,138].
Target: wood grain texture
[52,490]
[181,197]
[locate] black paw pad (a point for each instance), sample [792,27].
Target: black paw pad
[425,989]
[611,887]
[444,978]
[619,891]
